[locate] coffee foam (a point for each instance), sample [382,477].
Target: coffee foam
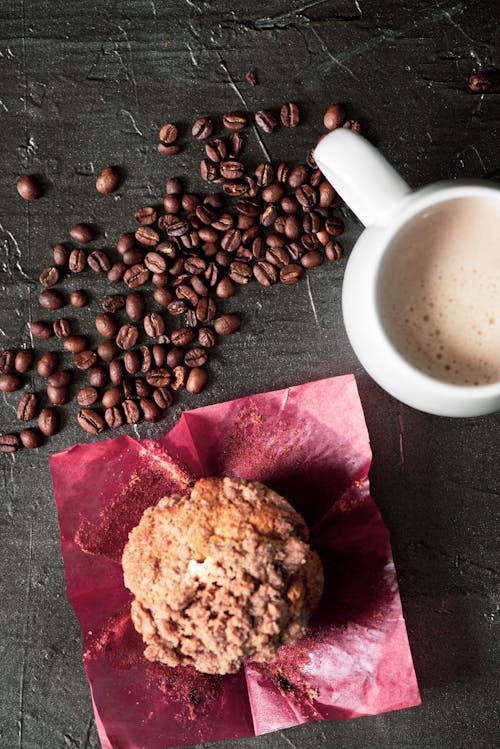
[439,291]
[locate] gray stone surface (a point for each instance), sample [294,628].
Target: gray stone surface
[85,84]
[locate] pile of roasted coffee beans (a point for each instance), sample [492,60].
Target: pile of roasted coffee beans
[270,225]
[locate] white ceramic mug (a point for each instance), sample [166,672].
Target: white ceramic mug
[384,203]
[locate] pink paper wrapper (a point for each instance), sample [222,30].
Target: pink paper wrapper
[309,443]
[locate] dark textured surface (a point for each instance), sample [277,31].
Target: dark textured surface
[85,84]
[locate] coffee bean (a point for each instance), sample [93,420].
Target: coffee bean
[291,274]
[132,361]
[205,309]
[116,272]
[108,350]
[150,409]
[163,296]
[173,186]
[136,276]
[27,407]
[197,380]
[182,336]
[196,357]
[99,262]
[60,379]
[147,236]
[49,421]
[146,358]
[240,273]
[234,120]
[30,438]
[75,344]
[146,215]
[114,417]
[85,360]
[133,257]
[277,256]
[208,170]
[225,288]
[177,307]
[131,411]
[58,396]
[106,324]
[231,240]
[113,396]
[79,298]
[333,251]
[266,120]
[227,324]
[169,133]
[306,195]
[265,273]
[231,169]
[177,226]
[91,421]
[98,375]
[334,226]
[113,302]
[311,223]
[142,388]
[323,237]
[82,233]
[77,260]
[51,299]
[268,215]
[159,377]
[179,377]
[275,240]
[162,397]
[155,262]
[60,254]
[49,276]
[309,242]
[40,329]
[312,259]
[108,180]
[48,363]
[62,327]
[264,174]
[187,293]
[175,356]
[87,396]
[298,176]
[135,306]
[154,324]
[273,193]
[127,336]
[290,114]
[216,150]
[234,187]
[23,361]
[159,352]
[9,443]
[326,194]
[334,116]
[202,128]
[207,337]
[28,187]
[172,150]
[7,361]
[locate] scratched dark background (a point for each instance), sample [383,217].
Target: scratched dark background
[84,84]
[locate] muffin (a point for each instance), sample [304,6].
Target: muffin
[222,574]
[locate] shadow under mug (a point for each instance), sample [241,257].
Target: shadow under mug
[385,204]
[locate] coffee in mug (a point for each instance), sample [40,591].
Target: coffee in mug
[439,291]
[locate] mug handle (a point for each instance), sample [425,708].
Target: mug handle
[369,185]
